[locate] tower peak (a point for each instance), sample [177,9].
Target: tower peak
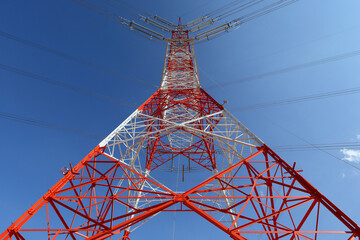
[180,67]
[179,22]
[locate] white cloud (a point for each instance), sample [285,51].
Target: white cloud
[358,137]
[351,155]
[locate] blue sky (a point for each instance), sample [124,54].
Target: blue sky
[304,32]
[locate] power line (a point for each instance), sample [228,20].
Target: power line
[308,143]
[305,43]
[210,78]
[205,21]
[226,6]
[285,148]
[193,9]
[240,8]
[103,11]
[292,68]
[263,11]
[308,147]
[44,124]
[138,29]
[78,60]
[300,99]
[130,8]
[116,5]
[64,85]
[219,12]
[324,146]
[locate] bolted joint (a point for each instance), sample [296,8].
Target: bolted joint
[249,197]
[268,182]
[180,198]
[316,195]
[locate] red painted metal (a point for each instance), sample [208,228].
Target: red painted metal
[103,196]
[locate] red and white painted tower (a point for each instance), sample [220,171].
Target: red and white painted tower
[245,188]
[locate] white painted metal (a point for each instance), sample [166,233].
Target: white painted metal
[179,126]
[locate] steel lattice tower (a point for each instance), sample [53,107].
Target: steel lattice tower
[248,190]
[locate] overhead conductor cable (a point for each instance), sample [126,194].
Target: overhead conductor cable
[261,12]
[216,11]
[213,31]
[156,24]
[203,25]
[240,20]
[200,25]
[196,21]
[103,11]
[133,25]
[163,21]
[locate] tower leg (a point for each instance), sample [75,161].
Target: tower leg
[126,235]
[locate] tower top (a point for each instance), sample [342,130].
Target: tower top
[179,23]
[180,68]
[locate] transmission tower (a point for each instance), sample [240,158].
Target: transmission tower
[245,190]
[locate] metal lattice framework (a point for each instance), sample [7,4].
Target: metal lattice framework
[249,189]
